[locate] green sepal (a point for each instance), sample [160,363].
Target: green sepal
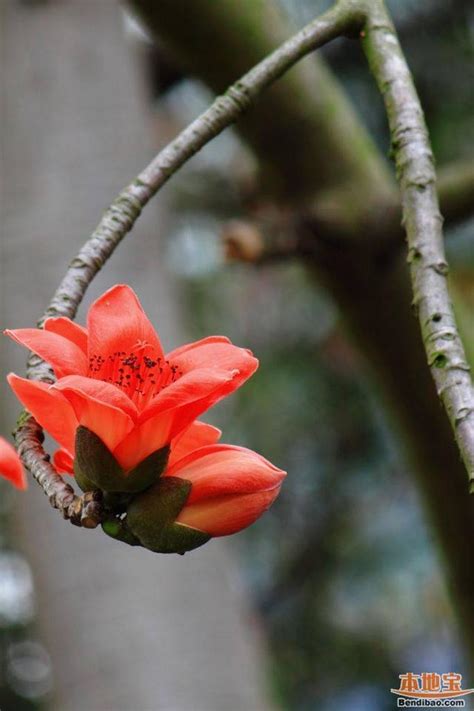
[179,538]
[118,529]
[97,464]
[82,481]
[149,470]
[151,516]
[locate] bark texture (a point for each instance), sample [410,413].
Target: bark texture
[423,224]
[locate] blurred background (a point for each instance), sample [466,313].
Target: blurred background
[338,588]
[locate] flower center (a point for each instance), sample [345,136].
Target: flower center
[140,373]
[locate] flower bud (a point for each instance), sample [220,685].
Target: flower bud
[231,488]
[213,491]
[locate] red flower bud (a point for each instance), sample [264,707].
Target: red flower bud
[215,490]
[231,488]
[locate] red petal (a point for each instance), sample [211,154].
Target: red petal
[215,352]
[196,385]
[171,412]
[62,354]
[188,346]
[143,440]
[105,392]
[225,515]
[199,434]
[108,422]
[63,462]
[223,469]
[68,329]
[10,465]
[117,322]
[49,407]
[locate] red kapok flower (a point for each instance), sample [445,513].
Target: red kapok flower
[114,379]
[10,465]
[231,486]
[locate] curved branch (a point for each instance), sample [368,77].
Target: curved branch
[423,224]
[120,217]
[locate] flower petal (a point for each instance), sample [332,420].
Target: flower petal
[109,423]
[225,469]
[105,392]
[198,434]
[116,322]
[63,462]
[71,330]
[49,407]
[225,515]
[64,356]
[206,385]
[171,412]
[189,346]
[10,465]
[215,352]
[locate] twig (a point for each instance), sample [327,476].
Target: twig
[423,224]
[120,217]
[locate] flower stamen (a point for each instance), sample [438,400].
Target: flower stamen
[139,374]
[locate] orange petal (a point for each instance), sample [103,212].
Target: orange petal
[68,329]
[143,440]
[10,465]
[116,322]
[198,434]
[63,462]
[49,407]
[189,346]
[215,352]
[171,412]
[108,422]
[99,390]
[222,469]
[225,515]
[204,384]
[64,356]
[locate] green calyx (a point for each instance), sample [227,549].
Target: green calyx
[142,507]
[151,517]
[118,529]
[95,467]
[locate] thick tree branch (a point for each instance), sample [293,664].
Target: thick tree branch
[423,224]
[120,217]
[278,234]
[304,132]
